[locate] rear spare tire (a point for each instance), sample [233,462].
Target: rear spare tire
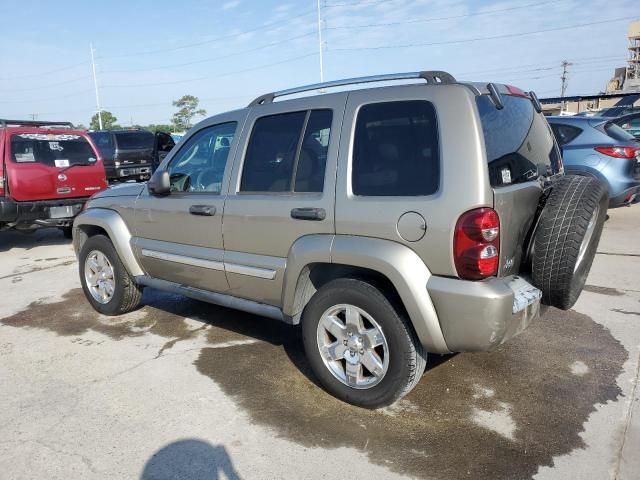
[566,238]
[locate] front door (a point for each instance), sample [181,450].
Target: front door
[178,237]
[282,188]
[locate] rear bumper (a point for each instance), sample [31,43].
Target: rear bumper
[37,213]
[479,316]
[626,197]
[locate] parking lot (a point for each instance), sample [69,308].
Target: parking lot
[182,389]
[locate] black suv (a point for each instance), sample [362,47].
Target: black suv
[131,154]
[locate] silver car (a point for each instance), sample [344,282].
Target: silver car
[387,222]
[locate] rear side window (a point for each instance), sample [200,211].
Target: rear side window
[102,140]
[54,150]
[517,140]
[135,140]
[565,133]
[395,150]
[287,150]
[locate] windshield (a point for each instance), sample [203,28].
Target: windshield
[134,140]
[52,150]
[517,139]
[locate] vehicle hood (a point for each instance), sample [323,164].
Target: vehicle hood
[122,190]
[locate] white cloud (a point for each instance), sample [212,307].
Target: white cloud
[230,4]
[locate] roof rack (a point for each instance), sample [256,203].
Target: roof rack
[434,77]
[34,123]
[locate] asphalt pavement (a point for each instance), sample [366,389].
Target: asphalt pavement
[183,389]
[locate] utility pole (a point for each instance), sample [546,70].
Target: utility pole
[320,43]
[565,65]
[95,84]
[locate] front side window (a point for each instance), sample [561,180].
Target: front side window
[281,157]
[200,163]
[395,150]
[54,150]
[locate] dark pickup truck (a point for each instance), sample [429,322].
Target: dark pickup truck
[131,154]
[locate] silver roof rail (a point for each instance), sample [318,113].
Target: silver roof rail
[434,77]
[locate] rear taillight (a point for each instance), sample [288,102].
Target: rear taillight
[476,244]
[618,152]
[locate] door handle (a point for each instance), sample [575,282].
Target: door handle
[308,213]
[203,210]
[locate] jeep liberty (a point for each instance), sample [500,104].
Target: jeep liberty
[387,222]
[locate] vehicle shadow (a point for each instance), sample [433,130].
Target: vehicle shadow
[10,239]
[190,458]
[232,324]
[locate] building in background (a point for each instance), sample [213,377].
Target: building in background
[622,90]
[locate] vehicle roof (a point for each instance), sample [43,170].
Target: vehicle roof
[577,120]
[53,131]
[628,116]
[123,130]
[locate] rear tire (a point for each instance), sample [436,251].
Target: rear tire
[400,356]
[567,237]
[106,283]
[67,232]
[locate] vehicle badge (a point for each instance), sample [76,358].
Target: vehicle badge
[62,177]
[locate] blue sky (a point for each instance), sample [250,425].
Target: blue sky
[227,52]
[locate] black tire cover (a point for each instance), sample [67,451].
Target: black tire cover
[566,238]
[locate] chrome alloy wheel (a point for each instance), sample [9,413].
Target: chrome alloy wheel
[99,276]
[587,237]
[353,346]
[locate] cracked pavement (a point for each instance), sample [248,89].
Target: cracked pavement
[182,389]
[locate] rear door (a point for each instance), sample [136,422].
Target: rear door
[49,166]
[282,189]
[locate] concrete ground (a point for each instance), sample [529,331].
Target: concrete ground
[182,389]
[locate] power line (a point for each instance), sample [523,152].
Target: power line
[360,4]
[216,75]
[213,40]
[35,100]
[49,72]
[48,85]
[434,19]
[492,37]
[213,59]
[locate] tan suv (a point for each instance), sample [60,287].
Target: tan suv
[388,222]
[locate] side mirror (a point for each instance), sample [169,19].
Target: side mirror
[159,183]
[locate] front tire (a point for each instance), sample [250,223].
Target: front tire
[361,348]
[106,283]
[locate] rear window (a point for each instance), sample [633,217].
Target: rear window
[134,140]
[52,150]
[617,133]
[517,140]
[395,150]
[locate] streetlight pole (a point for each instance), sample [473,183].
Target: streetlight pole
[320,44]
[95,84]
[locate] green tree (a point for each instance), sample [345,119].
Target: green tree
[160,127]
[108,121]
[187,109]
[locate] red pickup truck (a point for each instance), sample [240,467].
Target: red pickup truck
[48,170]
